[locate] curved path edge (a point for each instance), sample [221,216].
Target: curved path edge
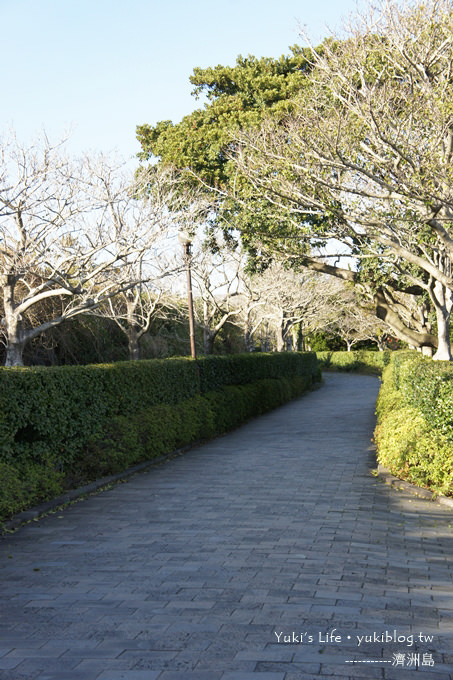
[401,485]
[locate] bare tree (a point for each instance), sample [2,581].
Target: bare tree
[293,303]
[132,310]
[217,288]
[369,148]
[177,208]
[250,317]
[354,320]
[71,230]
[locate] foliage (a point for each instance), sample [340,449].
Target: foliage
[240,369]
[273,133]
[26,483]
[368,147]
[356,360]
[320,341]
[412,450]
[414,435]
[61,426]
[389,399]
[201,144]
[237,97]
[429,388]
[348,141]
[426,386]
[84,340]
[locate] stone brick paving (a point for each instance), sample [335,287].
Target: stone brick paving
[260,556]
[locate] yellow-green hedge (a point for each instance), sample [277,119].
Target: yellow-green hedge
[361,361]
[414,435]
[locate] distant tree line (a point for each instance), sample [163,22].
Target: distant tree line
[278,310]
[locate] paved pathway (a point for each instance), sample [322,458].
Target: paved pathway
[260,556]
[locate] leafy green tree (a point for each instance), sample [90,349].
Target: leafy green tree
[202,143]
[369,148]
[237,97]
[207,144]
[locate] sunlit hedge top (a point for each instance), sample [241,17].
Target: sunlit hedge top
[69,404]
[428,386]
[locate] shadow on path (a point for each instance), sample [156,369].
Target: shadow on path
[269,554]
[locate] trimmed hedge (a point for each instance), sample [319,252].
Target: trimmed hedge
[414,435]
[363,361]
[63,426]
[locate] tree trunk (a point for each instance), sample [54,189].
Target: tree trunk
[16,340]
[208,340]
[380,341]
[442,300]
[385,312]
[280,339]
[443,336]
[133,344]
[282,334]
[14,353]
[264,338]
[208,336]
[15,336]
[248,341]
[298,338]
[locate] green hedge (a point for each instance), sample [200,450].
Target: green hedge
[414,435]
[363,361]
[63,426]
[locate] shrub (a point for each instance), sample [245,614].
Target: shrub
[62,426]
[389,399]
[12,492]
[107,453]
[414,451]
[414,435]
[364,361]
[26,484]
[159,430]
[324,359]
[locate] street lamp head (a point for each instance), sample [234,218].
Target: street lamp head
[184,237]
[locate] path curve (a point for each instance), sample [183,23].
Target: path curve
[269,554]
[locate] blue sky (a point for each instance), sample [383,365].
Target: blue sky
[101,67]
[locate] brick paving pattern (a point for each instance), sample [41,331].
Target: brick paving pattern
[259,556]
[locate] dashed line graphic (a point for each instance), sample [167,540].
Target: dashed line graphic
[368,661]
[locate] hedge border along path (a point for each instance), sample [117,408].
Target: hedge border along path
[414,434]
[401,485]
[73,495]
[64,426]
[356,361]
[425,387]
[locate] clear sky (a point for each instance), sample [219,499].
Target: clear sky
[101,67]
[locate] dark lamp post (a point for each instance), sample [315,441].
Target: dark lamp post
[186,242]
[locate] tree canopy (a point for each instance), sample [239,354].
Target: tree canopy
[73,234]
[236,97]
[369,144]
[203,143]
[351,141]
